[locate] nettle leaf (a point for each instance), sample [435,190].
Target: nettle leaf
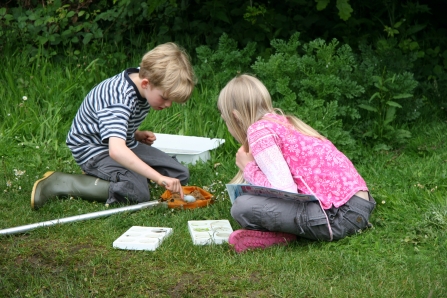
[222,16]
[367,107]
[402,135]
[344,9]
[382,147]
[322,4]
[374,96]
[87,38]
[390,115]
[402,96]
[38,22]
[42,40]
[393,104]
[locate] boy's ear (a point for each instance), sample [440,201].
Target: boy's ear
[145,83]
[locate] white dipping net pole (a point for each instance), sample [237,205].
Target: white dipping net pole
[22,229]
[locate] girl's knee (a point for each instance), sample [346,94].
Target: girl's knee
[241,207]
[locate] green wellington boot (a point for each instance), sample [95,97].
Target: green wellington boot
[60,184]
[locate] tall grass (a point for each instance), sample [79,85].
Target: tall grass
[404,255]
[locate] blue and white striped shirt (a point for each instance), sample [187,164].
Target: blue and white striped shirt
[113,108]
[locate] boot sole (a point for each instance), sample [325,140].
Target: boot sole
[243,240]
[33,193]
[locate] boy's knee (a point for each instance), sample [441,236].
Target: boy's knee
[129,192]
[184,176]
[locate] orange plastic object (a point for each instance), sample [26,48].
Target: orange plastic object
[179,203]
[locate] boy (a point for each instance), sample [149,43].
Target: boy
[116,157]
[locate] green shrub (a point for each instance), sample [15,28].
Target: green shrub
[316,86]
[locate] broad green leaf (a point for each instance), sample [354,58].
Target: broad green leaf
[38,22]
[404,95]
[380,147]
[437,69]
[397,25]
[42,40]
[403,134]
[393,104]
[390,115]
[322,4]
[87,38]
[163,30]
[367,107]
[414,29]
[374,96]
[414,45]
[222,16]
[344,9]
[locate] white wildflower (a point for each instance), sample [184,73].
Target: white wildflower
[25,98]
[18,172]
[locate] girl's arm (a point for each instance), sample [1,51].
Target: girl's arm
[269,168]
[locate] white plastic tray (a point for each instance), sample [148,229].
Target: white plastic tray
[209,231]
[185,148]
[142,238]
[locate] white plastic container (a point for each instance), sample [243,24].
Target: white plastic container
[142,238]
[186,149]
[209,231]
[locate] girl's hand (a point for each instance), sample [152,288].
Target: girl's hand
[243,158]
[145,137]
[171,184]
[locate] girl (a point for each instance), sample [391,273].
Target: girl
[283,152]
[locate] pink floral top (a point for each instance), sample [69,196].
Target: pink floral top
[288,160]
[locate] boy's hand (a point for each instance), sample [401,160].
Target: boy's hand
[145,137]
[171,184]
[243,158]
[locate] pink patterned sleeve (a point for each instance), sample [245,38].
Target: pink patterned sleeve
[269,169]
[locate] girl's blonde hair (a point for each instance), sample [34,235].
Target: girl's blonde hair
[168,68]
[245,100]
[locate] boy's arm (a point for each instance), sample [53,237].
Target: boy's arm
[120,153]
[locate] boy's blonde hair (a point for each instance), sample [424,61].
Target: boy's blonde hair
[168,68]
[245,100]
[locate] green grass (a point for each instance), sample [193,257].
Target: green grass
[404,255]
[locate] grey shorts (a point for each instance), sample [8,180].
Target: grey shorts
[127,186]
[304,219]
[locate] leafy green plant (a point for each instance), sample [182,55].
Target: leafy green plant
[384,104]
[316,86]
[344,8]
[48,27]
[219,66]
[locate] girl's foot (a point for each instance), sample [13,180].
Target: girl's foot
[251,239]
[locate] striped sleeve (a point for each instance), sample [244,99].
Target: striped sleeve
[114,108]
